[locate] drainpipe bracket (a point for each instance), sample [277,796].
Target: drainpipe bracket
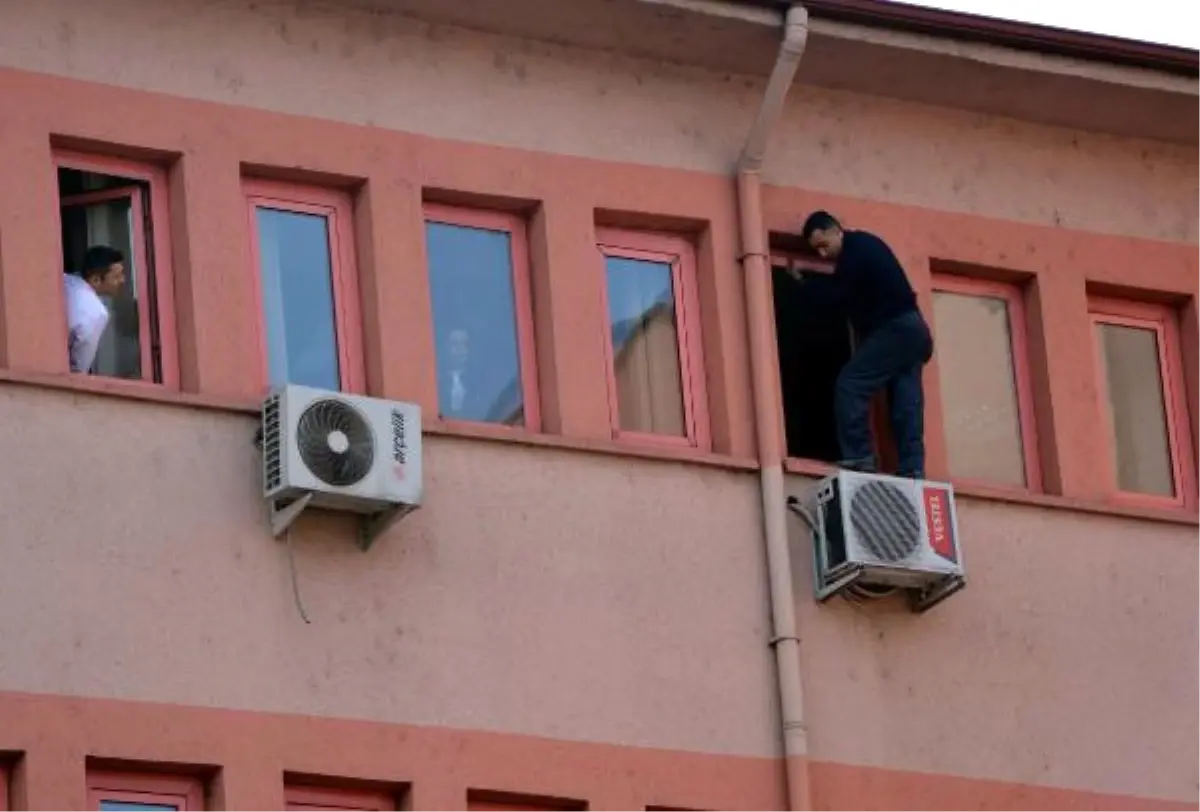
[743,257]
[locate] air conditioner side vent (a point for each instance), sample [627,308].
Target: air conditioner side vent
[272,444]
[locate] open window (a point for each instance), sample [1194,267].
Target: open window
[814,341]
[123,205]
[814,344]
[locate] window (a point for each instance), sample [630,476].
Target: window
[493,801]
[656,372]
[144,793]
[482,317]
[5,779]
[122,205]
[318,797]
[308,286]
[1142,399]
[814,342]
[983,362]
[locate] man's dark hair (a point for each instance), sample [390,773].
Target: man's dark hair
[98,259]
[818,221]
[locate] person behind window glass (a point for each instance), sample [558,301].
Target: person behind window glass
[102,274]
[893,344]
[458,391]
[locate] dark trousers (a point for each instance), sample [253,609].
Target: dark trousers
[890,358]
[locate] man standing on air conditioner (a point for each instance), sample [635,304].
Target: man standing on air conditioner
[102,274]
[893,345]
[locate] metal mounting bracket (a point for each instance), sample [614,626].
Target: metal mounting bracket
[372,526]
[282,518]
[923,600]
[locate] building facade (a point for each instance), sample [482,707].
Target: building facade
[525,219]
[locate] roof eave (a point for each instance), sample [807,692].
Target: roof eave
[1006,33]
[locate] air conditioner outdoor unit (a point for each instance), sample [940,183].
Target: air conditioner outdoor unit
[886,532]
[340,452]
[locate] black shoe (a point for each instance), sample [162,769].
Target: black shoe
[862,466]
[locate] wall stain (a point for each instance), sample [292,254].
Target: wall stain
[66,33]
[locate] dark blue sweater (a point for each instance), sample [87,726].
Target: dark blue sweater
[871,286]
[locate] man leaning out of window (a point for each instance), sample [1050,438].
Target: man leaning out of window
[102,274]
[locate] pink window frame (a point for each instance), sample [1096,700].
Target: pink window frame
[1162,321]
[164,279]
[302,796]
[679,254]
[338,210]
[1014,299]
[180,791]
[514,226]
[781,259]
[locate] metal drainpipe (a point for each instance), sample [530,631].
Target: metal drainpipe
[756,270]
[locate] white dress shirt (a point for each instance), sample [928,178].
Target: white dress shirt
[458,392]
[87,318]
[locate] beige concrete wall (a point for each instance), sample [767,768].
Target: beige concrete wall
[321,59]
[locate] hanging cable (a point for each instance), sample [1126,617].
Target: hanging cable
[287,540]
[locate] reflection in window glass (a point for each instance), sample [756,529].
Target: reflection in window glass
[979,390]
[297,294]
[1137,415]
[475,324]
[131,805]
[645,343]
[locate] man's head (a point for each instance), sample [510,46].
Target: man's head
[458,343]
[103,269]
[823,234]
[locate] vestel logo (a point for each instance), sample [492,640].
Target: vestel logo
[937,519]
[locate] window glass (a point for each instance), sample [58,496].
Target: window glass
[297,294]
[115,806]
[1137,415]
[475,324]
[645,346]
[979,388]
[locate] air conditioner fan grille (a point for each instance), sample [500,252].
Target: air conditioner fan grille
[886,521]
[335,442]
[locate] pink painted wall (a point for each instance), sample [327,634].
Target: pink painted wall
[517,599]
[566,594]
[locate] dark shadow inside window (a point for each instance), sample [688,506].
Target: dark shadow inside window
[814,344]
